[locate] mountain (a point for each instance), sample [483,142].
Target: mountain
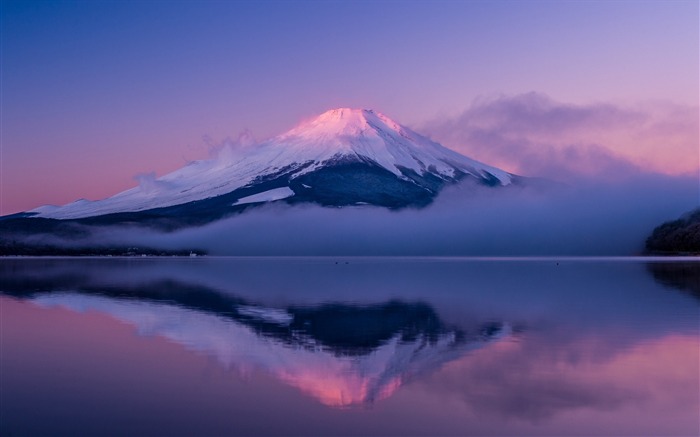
[342,157]
[680,236]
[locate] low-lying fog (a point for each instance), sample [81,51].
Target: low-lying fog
[583,218]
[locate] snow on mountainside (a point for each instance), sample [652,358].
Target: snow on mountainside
[337,137]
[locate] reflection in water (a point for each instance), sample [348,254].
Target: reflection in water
[684,276]
[600,347]
[342,354]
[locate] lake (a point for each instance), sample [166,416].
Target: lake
[350,346]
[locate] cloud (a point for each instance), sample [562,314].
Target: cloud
[149,183]
[230,150]
[465,220]
[223,153]
[533,135]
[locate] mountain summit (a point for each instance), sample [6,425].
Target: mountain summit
[366,134]
[342,157]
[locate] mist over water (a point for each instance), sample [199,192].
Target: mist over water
[588,218]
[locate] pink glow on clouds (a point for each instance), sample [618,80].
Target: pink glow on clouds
[534,135]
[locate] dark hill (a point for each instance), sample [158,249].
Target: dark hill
[680,236]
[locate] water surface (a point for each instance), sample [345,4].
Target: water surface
[349,346]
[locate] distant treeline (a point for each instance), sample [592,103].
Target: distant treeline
[677,236]
[16,248]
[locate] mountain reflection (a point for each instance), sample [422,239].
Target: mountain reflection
[244,346]
[343,354]
[683,276]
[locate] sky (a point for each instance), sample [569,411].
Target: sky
[96,93]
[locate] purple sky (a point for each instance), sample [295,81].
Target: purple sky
[95,93]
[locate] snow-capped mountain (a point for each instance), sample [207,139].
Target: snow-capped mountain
[342,157]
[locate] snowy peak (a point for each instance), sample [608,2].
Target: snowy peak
[373,136]
[342,157]
[343,122]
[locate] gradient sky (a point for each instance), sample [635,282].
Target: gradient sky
[94,93]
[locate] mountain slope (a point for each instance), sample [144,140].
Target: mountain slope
[342,157]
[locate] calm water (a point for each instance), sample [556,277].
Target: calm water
[349,346]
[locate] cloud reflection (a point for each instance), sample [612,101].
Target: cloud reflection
[537,380]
